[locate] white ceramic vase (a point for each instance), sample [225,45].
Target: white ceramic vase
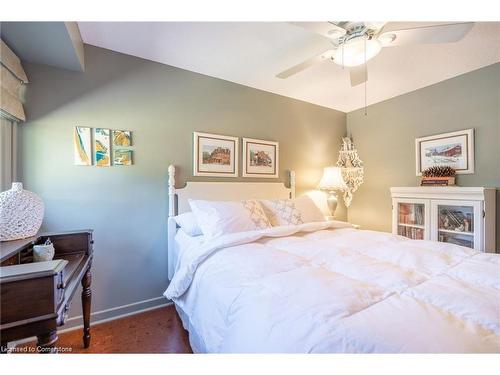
[43,253]
[21,213]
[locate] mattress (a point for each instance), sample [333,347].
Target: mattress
[317,288]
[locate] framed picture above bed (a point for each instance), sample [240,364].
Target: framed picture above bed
[260,158]
[215,155]
[454,149]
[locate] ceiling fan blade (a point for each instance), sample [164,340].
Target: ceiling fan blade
[326,29]
[306,64]
[447,33]
[359,75]
[377,26]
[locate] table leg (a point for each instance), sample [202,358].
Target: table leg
[86,301]
[46,342]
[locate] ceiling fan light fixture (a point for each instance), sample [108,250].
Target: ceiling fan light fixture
[354,51]
[375,25]
[386,39]
[335,33]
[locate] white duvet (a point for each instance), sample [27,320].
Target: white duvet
[322,287]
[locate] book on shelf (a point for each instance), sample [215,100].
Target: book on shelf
[457,240]
[411,232]
[454,219]
[410,213]
[419,214]
[437,181]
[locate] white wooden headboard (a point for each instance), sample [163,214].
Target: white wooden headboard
[223,191]
[178,198]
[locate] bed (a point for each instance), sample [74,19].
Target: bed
[326,287]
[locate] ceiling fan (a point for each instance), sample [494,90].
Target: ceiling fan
[354,43]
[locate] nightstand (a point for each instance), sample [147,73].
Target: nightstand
[36,296]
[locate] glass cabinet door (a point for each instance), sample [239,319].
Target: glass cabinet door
[456,225]
[410,218]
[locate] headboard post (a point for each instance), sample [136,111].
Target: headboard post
[292,184]
[171,190]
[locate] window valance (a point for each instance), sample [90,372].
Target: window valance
[12,78]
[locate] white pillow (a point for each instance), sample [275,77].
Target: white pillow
[282,212]
[216,218]
[309,211]
[188,224]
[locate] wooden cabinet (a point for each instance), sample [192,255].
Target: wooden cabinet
[35,297]
[461,215]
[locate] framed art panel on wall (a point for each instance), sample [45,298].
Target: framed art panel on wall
[122,157]
[215,155]
[82,140]
[102,147]
[122,138]
[260,158]
[455,149]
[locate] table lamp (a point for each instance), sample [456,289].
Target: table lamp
[331,182]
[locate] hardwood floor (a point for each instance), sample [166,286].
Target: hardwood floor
[155,331]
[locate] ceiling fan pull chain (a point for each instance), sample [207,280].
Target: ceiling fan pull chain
[365,99]
[342,55]
[366,79]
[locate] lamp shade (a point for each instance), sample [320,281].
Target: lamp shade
[332,179]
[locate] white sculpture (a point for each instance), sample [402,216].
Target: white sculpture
[21,213]
[352,168]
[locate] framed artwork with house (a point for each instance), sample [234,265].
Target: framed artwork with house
[260,158]
[215,155]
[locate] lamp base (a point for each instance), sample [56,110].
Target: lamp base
[332,202]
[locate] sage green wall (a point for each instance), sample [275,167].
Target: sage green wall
[385,139]
[162,105]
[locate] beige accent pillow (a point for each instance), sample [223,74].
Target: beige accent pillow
[309,211]
[281,212]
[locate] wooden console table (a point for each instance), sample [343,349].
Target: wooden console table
[35,297]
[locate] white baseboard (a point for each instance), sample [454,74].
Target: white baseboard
[118,311]
[114,313]
[107,315]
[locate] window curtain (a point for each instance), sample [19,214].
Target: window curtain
[12,80]
[8,153]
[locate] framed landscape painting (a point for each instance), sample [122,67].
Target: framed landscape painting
[82,146]
[122,157]
[122,138]
[102,147]
[215,155]
[260,158]
[454,149]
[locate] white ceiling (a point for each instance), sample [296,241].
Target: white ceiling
[252,54]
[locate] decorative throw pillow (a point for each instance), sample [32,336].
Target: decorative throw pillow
[257,214]
[309,211]
[282,212]
[216,218]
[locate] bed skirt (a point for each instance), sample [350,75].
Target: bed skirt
[197,344]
